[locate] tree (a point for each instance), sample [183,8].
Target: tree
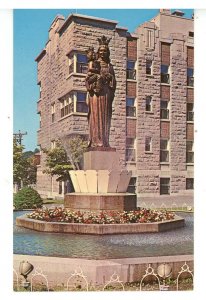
[57,162]
[24,169]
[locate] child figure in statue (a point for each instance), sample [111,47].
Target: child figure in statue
[96,81]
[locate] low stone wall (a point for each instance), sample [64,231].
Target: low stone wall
[99,272]
[99,229]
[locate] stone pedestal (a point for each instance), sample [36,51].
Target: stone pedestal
[100,202]
[105,159]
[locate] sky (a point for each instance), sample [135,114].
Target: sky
[30,35]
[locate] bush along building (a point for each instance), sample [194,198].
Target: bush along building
[152,119]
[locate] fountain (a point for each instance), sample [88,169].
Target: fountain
[102,185]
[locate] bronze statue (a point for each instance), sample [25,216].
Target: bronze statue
[101,85]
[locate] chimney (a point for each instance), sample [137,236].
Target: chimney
[165,11]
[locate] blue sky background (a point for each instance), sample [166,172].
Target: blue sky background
[30,35]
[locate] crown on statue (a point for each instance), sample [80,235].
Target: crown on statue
[104,41]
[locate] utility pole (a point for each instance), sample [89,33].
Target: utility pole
[18,137]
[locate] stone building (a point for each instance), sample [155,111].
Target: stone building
[152,121]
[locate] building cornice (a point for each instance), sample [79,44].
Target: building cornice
[85,17]
[41,55]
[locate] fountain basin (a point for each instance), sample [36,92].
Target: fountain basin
[99,229]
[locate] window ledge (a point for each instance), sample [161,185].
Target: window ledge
[149,152]
[190,122]
[131,80]
[165,120]
[190,164]
[131,162]
[164,163]
[76,75]
[150,75]
[133,118]
[149,112]
[190,87]
[73,113]
[167,84]
[39,100]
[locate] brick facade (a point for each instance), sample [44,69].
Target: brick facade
[153,44]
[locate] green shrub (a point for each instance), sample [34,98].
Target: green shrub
[27,197]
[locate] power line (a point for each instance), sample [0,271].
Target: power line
[18,137]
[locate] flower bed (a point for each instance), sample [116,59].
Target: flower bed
[141,215]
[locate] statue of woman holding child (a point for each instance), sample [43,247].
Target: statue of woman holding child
[101,85]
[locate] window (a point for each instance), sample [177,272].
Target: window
[67,105]
[189,152]
[148,106]
[190,77]
[130,107]
[131,72]
[81,105]
[190,113]
[164,150]
[71,64]
[148,67]
[165,77]
[164,186]
[81,63]
[40,120]
[164,109]
[64,107]
[191,33]
[132,185]
[77,63]
[148,144]
[149,38]
[40,90]
[189,183]
[130,149]
[53,112]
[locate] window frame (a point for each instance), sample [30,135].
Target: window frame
[190,77]
[131,71]
[148,105]
[131,110]
[75,64]
[165,76]
[149,68]
[164,109]
[148,144]
[164,150]
[189,184]
[190,112]
[77,93]
[130,150]
[164,186]
[190,152]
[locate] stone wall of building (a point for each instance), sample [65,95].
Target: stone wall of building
[153,41]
